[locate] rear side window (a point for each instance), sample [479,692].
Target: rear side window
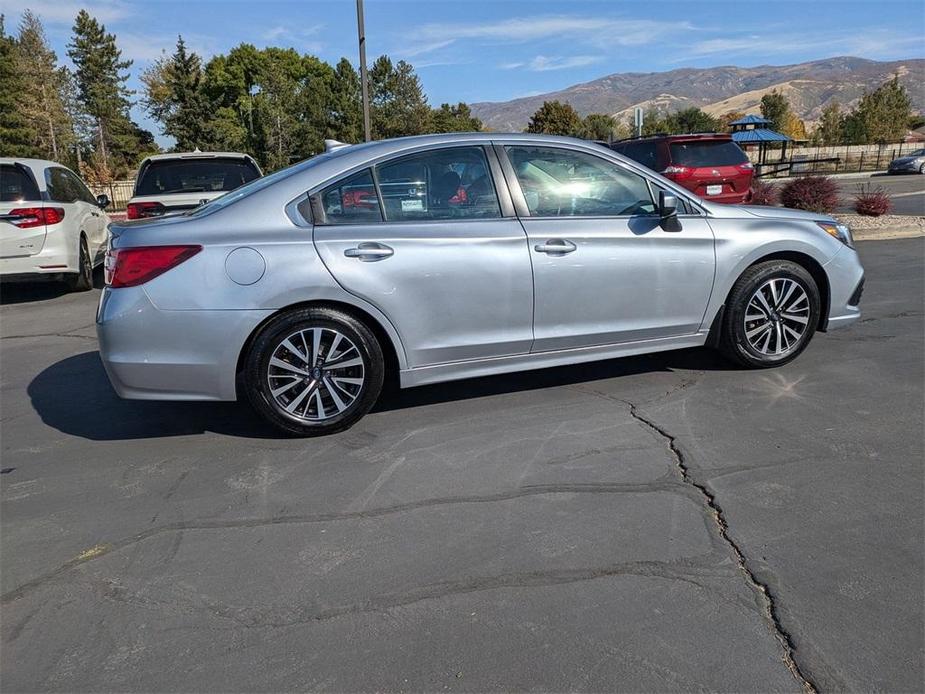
[707,153]
[16,184]
[353,201]
[195,176]
[451,183]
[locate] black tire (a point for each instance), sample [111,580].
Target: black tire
[82,280]
[734,342]
[270,340]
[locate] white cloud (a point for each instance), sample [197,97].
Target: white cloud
[877,43]
[600,32]
[542,63]
[65,11]
[146,48]
[299,38]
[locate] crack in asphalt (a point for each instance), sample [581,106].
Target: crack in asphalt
[663,484]
[253,618]
[760,588]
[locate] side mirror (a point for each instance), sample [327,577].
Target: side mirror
[668,212]
[102,201]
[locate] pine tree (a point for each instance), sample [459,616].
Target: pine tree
[42,103]
[174,96]
[398,104]
[346,107]
[16,137]
[102,90]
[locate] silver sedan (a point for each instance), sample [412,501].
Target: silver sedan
[445,257]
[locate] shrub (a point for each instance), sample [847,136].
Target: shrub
[872,202]
[812,193]
[763,193]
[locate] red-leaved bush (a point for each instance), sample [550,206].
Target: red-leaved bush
[763,193]
[812,193]
[872,202]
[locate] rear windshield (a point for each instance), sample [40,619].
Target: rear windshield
[707,153]
[16,184]
[195,176]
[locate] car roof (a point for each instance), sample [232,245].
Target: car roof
[31,163]
[678,136]
[196,155]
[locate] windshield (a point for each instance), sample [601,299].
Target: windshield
[195,176]
[707,153]
[917,153]
[16,184]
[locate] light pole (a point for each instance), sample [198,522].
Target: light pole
[361,33]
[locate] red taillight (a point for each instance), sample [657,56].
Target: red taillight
[676,173]
[140,210]
[129,267]
[747,166]
[29,217]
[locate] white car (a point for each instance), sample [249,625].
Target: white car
[172,183]
[50,223]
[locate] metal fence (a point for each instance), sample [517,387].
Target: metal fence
[119,192]
[806,161]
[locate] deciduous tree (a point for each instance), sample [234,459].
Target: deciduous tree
[555,118]
[776,108]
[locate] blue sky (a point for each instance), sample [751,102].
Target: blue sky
[472,50]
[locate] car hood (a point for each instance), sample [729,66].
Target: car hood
[904,160]
[768,212]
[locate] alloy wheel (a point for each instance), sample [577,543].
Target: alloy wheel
[315,374]
[777,316]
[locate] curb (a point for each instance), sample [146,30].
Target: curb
[886,234]
[836,176]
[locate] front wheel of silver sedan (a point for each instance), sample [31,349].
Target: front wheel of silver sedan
[314,371]
[771,314]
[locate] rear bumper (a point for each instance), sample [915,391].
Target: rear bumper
[150,354]
[846,283]
[56,257]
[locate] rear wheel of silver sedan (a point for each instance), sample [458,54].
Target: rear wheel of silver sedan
[314,371]
[771,314]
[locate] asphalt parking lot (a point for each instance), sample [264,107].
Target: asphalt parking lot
[658,523]
[907,192]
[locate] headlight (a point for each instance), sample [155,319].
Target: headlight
[839,231]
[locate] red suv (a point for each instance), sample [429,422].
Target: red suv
[710,165]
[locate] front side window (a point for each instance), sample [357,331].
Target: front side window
[60,187]
[83,193]
[352,201]
[451,183]
[562,183]
[206,175]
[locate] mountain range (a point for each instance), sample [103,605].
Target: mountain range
[808,86]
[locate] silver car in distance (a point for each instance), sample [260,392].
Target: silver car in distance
[443,257]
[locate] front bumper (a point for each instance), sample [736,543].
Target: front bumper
[151,354]
[846,283]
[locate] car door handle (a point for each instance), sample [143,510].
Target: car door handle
[369,252]
[555,246]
